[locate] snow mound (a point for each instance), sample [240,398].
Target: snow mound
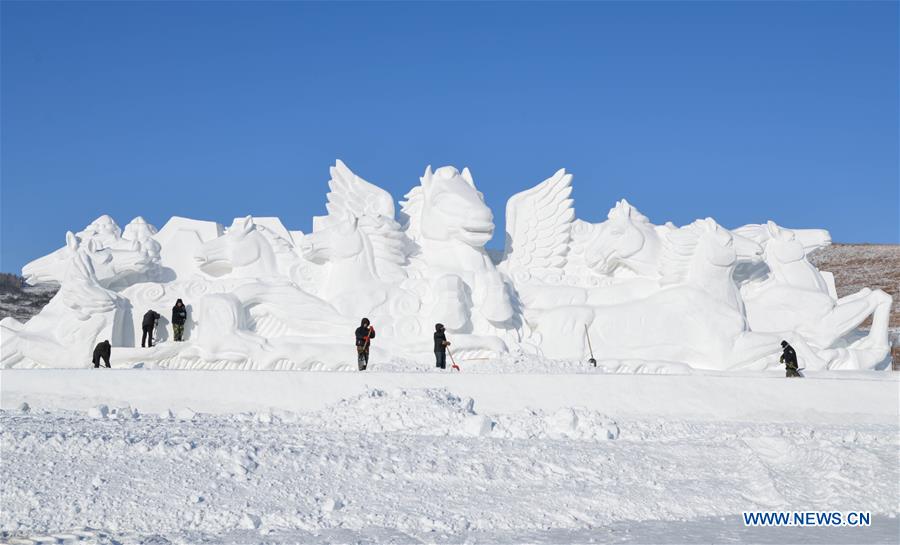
[426,411]
[437,411]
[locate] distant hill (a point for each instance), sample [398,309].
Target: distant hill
[855,266]
[858,266]
[21,301]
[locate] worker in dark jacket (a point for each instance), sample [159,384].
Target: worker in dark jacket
[179,316]
[440,346]
[148,325]
[364,335]
[102,350]
[789,359]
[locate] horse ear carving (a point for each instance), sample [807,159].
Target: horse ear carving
[244,225]
[775,231]
[426,179]
[622,210]
[467,176]
[71,241]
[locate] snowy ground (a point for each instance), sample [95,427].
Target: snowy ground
[421,457]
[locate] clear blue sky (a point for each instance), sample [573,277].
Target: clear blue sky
[211,110]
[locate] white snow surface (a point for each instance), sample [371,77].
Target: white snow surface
[824,396]
[157,456]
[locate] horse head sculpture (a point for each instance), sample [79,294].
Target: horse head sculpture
[808,239]
[333,240]
[626,239]
[447,207]
[704,254]
[782,246]
[114,260]
[243,251]
[449,223]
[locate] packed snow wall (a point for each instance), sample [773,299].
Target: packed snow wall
[259,296]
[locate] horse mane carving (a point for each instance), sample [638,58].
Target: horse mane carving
[679,247]
[623,210]
[279,244]
[411,209]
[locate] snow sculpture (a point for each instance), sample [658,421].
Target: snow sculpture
[795,296]
[180,239]
[359,244]
[448,224]
[115,261]
[227,337]
[626,242]
[242,252]
[260,296]
[64,332]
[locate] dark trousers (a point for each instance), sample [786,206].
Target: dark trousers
[147,337]
[792,371]
[178,329]
[362,358]
[97,361]
[440,360]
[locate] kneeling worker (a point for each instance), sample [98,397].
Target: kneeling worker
[102,350]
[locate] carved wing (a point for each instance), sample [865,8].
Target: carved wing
[538,225]
[353,196]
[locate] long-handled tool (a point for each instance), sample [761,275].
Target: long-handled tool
[588,335]
[453,361]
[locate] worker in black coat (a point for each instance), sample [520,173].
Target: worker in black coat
[789,359]
[148,324]
[179,316]
[364,335]
[102,351]
[440,346]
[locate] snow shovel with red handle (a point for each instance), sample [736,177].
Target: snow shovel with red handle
[453,361]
